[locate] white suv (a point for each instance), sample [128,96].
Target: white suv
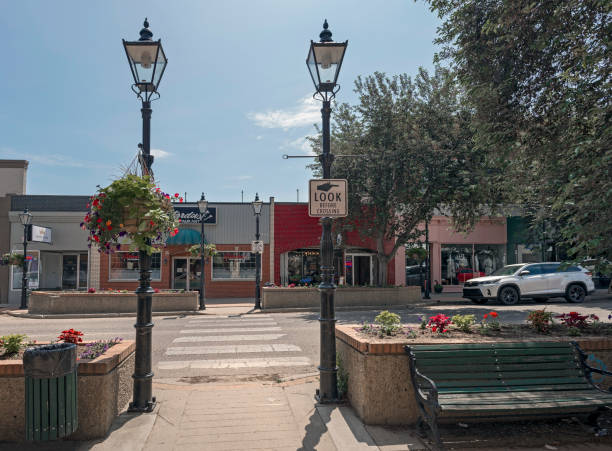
[535,280]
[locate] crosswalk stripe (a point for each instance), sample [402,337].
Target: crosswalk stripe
[218,317]
[267,322]
[229,338]
[234,363]
[231,349]
[231,329]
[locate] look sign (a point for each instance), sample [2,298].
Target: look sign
[327,198]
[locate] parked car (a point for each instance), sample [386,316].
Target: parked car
[536,280]
[464,274]
[413,275]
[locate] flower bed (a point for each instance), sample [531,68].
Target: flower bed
[104,388]
[377,367]
[80,302]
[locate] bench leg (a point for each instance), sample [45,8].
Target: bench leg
[593,419]
[436,434]
[432,423]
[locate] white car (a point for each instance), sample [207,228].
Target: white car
[535,280]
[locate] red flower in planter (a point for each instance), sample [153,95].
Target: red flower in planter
[91,290]
[71,336]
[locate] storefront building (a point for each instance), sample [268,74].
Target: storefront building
[457,257]
[62,264]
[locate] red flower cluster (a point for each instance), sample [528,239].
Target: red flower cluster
[439,323]
[575,319]
[71,336]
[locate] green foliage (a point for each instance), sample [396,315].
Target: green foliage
[464,322]
[13,258]
[573,331]
[540,320]
[343,377]
[414,146]
[12,343]
[130,199]
[389,322]
[537,77]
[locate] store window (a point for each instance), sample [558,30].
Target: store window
[463,262]
[303,266]
[33,269]
[124,266]
[234,265]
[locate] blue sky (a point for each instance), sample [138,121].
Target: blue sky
[235,97]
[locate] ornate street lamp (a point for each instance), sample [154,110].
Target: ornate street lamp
[324,62]
[147,63]
[25,218]
[257,205]
[203,207]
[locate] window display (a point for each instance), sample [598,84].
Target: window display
[462,262]
[32,272]
[303,266]
[124,266]
[234,265]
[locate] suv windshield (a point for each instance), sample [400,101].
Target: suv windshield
[506,270]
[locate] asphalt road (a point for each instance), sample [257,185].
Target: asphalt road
[269,346]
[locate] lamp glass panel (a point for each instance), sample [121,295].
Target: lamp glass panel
[25,218]
[257,207]
[312,67]
[142,58]
[328,59]
[202,206]
[161,66]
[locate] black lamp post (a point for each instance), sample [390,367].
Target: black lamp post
[203,207]
[147,63]
[257,205]
[324,61]
[25,218]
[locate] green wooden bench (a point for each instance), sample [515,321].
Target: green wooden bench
[490,380]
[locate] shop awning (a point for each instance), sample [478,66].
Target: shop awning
[185,236]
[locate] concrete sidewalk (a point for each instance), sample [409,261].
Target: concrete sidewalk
[279,416]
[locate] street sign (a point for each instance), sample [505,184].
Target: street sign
[257,247]
[327,198]
[39,234]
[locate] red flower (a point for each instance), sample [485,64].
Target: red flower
[485,316]
[99,220]
[176,194]
[493,314]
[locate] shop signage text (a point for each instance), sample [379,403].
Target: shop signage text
[39,234]
[327,198]
[192,215]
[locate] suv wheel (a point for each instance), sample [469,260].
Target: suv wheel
[509,295]
[575,293]
[479,301]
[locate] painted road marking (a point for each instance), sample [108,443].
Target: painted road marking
[233,329]
[234,322]
[231,349]
[234,363]
[229,338]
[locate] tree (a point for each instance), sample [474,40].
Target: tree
[413,151]
[537,77]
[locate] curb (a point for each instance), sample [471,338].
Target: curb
[20,314]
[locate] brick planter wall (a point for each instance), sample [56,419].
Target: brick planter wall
[380,387]
[104,388]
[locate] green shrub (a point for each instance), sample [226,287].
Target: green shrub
[464,322]
[389,322]
[12,343]
[540,320]
[343,378]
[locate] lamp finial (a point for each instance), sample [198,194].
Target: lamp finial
[145,33]
[326,35]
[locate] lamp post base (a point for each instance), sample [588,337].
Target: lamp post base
[147,408]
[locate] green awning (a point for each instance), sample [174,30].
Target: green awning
[185,236]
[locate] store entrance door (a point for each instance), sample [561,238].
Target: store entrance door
[360,269]
[179,273]
[69,272]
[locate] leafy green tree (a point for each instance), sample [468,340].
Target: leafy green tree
[411,148]
[537,77]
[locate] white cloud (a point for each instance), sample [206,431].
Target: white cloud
[302,144]
[259,137]
[306,113]
[158,153]
[45,160]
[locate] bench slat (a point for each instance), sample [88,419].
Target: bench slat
[487,397]
[526,407]
[498,345]
[540,400]
[524,388]
[510,382]
[471,375]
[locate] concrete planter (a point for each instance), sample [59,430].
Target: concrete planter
[380,387]
[104,385]
[50,303]
[301,297]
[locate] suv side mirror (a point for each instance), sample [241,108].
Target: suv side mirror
[524,273]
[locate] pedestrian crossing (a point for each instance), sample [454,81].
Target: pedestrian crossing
[247,343]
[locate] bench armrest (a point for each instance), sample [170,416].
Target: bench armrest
[588,369]
[426,389]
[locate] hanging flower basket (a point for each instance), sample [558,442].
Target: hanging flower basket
[14,259]
[132,207]
[210,250]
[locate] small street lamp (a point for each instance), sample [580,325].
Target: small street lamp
[25,218]
[324,62]
[257,205]
[147,63]
[203,207]
[427,263]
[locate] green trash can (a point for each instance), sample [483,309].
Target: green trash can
[50,391]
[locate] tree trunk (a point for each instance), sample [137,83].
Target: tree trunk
[382,260]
